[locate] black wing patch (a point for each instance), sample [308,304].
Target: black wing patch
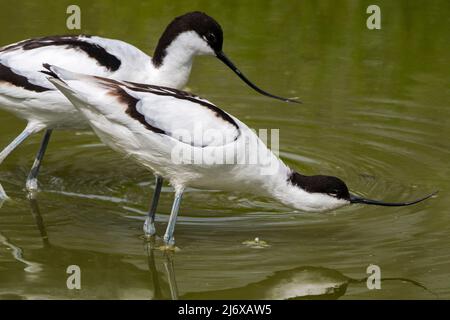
[131,110]
[103,57]
[9,76]
[183,95]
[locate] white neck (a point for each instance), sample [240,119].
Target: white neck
[295,197]
[279,188]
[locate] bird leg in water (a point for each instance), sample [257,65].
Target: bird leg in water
[29,130]
[170,270]
[169,239]
[32,184]
[149,225]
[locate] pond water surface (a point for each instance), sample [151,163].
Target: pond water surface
[375,113]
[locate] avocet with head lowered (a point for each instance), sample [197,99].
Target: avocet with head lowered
[25,91]
[159,128]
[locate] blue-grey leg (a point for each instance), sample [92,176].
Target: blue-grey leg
[169,239]
[149,224]
[29,130]
[15,143]
[32,184]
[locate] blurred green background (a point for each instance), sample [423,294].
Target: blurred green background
[375,113]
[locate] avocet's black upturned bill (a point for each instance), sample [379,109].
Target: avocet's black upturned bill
[144,122]
[25,91]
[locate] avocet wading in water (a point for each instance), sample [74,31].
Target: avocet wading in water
[26,92]
[141,121]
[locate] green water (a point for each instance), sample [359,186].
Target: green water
[376,113]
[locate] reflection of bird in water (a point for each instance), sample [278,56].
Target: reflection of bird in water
[17,253]
[110,276]
[301,283]
[103,275]
[297,283]
[307,282]
[39,221]
[30,266]
[162,289]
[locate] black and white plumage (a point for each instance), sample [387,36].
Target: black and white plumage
[25,91]
[169,132]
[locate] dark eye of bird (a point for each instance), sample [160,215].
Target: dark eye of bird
[211,37]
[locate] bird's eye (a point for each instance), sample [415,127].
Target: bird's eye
[333,194]
[211,37]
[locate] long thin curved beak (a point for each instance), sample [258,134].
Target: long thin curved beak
[222,57]
[357,199]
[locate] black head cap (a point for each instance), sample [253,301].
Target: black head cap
[205,26]
[328,185]
[336,188]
